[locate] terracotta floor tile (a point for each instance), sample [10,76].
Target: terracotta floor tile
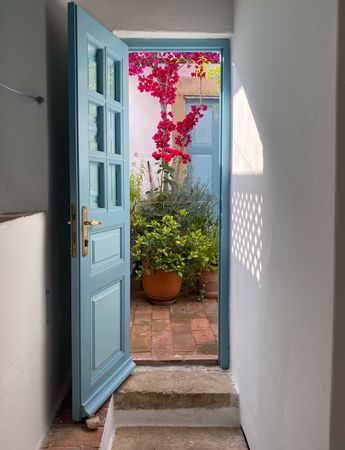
[158,325]
[194,306]
[179,307]
[214,328]
[183,341]
[170,357]
[209,348]
[180,327]
[197,314]
[142,318]
[178,317]
[212,318]
[164,333]
[143,307]
[203,337]
[140,339]
[162,314]
[200,324]
[72,436]
[213,301]
[210,308]
[162,340]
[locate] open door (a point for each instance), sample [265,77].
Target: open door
[100,234]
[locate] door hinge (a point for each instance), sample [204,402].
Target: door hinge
[73,223]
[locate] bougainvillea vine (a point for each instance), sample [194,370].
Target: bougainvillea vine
[158,75]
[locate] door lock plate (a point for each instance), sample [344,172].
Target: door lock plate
[85,232]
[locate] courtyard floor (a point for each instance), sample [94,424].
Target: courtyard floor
[186,331]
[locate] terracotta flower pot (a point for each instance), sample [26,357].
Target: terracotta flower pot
[208,282]
[161,287]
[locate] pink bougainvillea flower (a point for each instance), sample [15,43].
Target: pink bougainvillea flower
[158,75]
[156,156]
[167,157]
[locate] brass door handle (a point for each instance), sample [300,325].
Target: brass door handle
[92,223]
[85,234]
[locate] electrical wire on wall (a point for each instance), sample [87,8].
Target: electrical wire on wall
[37,98]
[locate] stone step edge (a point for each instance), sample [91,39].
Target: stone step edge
[173,400]
[191,417]
[180,437]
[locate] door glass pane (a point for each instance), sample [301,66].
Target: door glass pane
[94,68]
[114,141]
[115,185]
[95,128]
[96,185]
[113,79]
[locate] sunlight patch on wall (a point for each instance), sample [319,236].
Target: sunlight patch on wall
[246,233]
[247,155]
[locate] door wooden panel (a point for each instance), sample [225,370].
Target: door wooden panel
[204,148]
[99,158]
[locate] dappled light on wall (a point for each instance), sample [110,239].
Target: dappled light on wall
[247,156]
[246,234]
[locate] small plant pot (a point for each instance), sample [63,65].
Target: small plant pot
[161,287]
[208,283]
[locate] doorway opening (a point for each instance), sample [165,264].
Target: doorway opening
[177,103]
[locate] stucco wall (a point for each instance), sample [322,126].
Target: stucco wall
[23,124]
[35,345]
[163,15]
[284,62]
[28,355]
[143,118]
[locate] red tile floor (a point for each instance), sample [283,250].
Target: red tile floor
[186,331]
[65,434]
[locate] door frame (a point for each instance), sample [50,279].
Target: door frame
[223,46]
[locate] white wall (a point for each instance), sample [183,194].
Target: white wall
[163,15]
[34,353]
[27,373]
[23,124]
[284,56]
[143,119]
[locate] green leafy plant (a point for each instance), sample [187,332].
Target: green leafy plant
[213,72]
[211,248]
[136,180]
[195,198]
[161,244]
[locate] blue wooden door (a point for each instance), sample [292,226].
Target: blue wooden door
[204,148]
[99,167]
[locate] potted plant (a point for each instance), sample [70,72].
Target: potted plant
[166,254]
[159,247]
[208,279]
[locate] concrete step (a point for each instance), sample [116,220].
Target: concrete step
[172,438]
[177,387]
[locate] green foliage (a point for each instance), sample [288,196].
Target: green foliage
[175,229]
[162,244]
[213,72]
[136,180]
[195,198]
[211,248]
[159,244]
